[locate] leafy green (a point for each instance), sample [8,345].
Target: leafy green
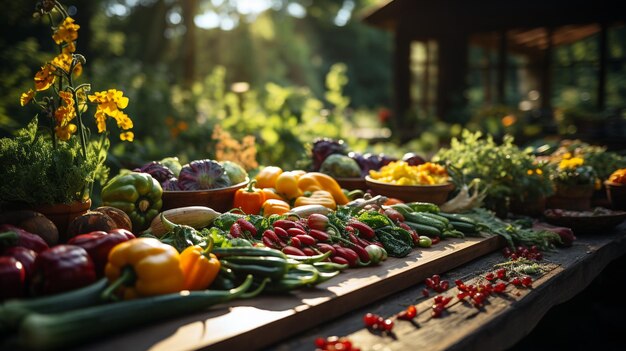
[508,171]
[397,241]
[34,171]
[374,219]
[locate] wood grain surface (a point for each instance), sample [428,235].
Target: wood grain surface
[256,323]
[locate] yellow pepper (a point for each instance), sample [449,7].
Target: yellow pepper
[266,178]
[144,267]
[274,206]
[314,181]
[199,267]
[287,184]
[318,197]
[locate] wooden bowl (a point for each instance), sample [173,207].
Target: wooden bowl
[352,183]
[436,194]
[616,192]
[221,200]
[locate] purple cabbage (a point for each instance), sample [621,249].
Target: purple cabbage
[203,174]
[170,185]
[323,147]
[157,170]
[370,161]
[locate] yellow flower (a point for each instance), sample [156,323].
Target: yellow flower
[127,136]
[64,114]
[67,31]
[65,132]
[110,103]
[27,97]
[69,48]
[44,78]
[571,163]
[101,121]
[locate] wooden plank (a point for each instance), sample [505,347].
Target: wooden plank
[262,321]
[503,321]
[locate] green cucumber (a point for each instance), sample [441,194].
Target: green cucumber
[62,330]
[423,207]
[13,311]
[464,227]
[421,218]
[423,229]
[458,218]
[436,216]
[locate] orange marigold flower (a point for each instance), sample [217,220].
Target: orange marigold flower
[67,31]
[44,78]
[27,97]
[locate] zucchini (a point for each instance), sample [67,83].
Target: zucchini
[56,331]
[464,227]
[225,252]
[436,216]
[423,207]
[193,216]
[307,210]
[458,218]
[13,311]
[420,218]
[423,229]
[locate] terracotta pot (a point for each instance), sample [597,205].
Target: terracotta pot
[63,214]
[571,197]
[616,193]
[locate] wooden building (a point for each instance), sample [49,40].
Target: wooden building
[448,28]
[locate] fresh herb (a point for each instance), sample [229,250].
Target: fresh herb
[507,171]
[513,232]
[33,171]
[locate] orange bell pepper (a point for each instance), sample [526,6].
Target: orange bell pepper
[266,178]
[314,181]
[199,267]
[271,193]
[274,206]
[287,184]
[249,199]
[318,197]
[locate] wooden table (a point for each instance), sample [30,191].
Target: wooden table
[293,321]
[502,322]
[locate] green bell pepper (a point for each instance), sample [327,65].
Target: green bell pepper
[137,194]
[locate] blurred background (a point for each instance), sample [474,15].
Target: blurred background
[258,80]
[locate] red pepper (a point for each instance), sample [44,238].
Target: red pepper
[25,256]
[339,260]
[282,233]
[348,254]
[62,268]
[322,247]
[284,223]
[12,278]
[290,250]
[319,235]
[364,230]
[295,242]
[306,239]
[99,243]
[364,257]
[270,239]
[295,231]
[309,251]
[11,235]
[248,229]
